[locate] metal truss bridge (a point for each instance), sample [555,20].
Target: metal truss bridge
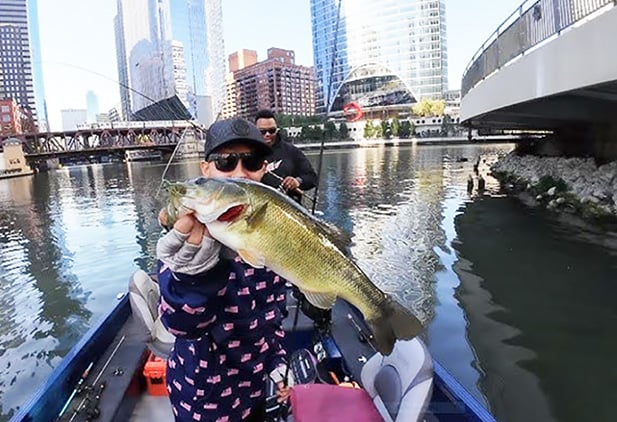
[108,138]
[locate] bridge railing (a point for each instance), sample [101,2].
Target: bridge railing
[533,22]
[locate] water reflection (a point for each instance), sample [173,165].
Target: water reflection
[41,306]
[541,318]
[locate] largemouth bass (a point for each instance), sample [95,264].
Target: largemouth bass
[268,229]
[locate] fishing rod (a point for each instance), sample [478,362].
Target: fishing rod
[321,149]
[102,386]
[77,388]
[295,190]
[328,101]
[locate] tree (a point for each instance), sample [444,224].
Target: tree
[330,131]
[405,129]
[317,133]
[386,132]
[422,108]
[378,133]
[305,132]
[447,127]
[427,107]
[395,127]
[369,129]
[438,107]
[343,131]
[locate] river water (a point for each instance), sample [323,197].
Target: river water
[520,304]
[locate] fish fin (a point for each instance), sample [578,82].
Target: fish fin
[257,217]
[254,260]
[395,322]
[320,300]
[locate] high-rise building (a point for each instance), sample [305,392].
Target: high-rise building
[170,48]
[16,80]
[92,105]
[197,25]
[215,72]
[144,51]
[115,114]
[374,45]
[10,117]
[37,66]
[276,83]
[72,118]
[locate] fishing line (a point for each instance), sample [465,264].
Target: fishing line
[165,105]
[300,297]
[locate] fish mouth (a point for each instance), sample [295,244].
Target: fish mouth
[232,213]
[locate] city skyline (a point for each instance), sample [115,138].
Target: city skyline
[78,50]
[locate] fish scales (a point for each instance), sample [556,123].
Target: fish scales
[266,228]
[303,255]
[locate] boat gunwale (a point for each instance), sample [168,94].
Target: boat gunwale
[52,395]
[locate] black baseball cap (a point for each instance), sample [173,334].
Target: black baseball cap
[235,130]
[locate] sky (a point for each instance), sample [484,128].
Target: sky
[78,48]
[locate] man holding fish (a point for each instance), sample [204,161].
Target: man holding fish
[224,313]
[222,271]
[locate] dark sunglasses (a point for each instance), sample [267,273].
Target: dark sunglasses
[270,130]
[227,162]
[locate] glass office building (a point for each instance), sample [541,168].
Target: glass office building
[171,48]
[37,67]
[361,44]
[198,26]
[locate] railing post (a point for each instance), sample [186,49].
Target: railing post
[557,16]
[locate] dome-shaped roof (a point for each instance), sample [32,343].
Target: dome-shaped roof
[372,85]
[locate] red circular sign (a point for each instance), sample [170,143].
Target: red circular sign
[352,112]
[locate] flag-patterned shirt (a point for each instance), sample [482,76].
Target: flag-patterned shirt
[227,323]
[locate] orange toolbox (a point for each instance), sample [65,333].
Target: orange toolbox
[155,370]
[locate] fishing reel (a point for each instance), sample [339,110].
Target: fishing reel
[302,370]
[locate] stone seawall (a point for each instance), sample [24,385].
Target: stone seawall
[576,185]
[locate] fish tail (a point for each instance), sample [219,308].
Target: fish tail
[393,323]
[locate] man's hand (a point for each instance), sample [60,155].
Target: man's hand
[187,248]
[283,388]
[283,392]
[290,183]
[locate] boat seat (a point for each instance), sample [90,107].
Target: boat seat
[401,383]
[397,388]
[144,295]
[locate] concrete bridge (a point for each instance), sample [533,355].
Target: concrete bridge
[551,65]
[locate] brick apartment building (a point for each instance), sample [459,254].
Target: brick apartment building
[276,83]
[10,117]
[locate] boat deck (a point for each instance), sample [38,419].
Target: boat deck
[125,396]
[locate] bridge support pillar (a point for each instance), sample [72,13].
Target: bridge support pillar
[598,140]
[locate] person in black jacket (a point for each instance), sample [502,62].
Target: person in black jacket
[288,168]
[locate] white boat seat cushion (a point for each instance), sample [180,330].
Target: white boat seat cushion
[400,384]
[144,295]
